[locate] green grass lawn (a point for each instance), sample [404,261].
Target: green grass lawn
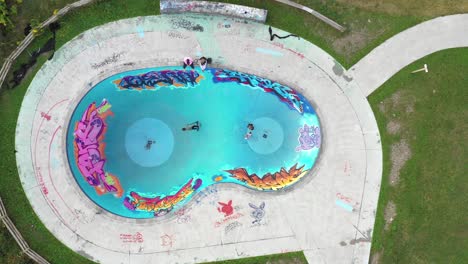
[285,258]
[425,190]
[431,222]
[28,10]
[9,250]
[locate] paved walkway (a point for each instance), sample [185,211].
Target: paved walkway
[408,46]
[330,214]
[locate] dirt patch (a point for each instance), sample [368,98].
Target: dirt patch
[351,43]
[286,261]
[389,214]
[404,7]
[396,97]
[400,153]
[409,109]
[382,107]
[393,127]
[375,258]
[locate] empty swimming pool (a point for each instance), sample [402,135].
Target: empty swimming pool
[130,154]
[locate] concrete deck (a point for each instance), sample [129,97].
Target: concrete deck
[330,214]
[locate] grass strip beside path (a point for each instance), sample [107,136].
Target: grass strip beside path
[428,111]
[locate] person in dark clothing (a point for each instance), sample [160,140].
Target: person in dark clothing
[203,62]
[250,128]
[192,126]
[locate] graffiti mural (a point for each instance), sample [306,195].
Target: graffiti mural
[309,138]
[258,213]
[157,205]
[100,159]
[275,181]
[89,149]
[284,93]
[154,79]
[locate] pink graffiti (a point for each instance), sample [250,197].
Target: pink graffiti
[132,238]
[346,199]
[228,219]
[89,148]
[41,181]
[226,209]
[167,240]
[347,168]
[46,116]
[280,45]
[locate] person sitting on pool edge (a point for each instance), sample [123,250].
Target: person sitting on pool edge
[192,126]
[188,62]
[203,62]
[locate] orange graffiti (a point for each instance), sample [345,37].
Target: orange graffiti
[269,181]
[160,206]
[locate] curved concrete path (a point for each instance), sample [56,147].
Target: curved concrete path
[330,214]
[410,45]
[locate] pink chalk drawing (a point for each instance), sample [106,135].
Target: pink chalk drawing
[167,240]
[183,215]
[89,149]
[309,138]
[132,238]
[280,45]
[347,199]
[46,116]
[226,209]
[347,168]
[227,219]
[41,181]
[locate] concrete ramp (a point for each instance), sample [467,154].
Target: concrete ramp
[205,7]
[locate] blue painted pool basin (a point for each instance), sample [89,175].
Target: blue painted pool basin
[129,153]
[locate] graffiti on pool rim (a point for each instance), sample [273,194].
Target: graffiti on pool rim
[269,181]
[157,205]
[154,79]
[309,138]
[89,149]
[284,93]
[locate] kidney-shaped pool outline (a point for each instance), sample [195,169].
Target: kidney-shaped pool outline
[88,161]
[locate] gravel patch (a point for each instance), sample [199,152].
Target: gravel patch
[389,214]
[375,258]
[393,127]
[400,153]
